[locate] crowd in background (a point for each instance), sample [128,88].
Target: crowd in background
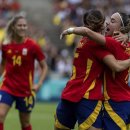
[66,13]
[8,8]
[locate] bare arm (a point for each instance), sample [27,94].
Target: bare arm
[44,69]
[2,66]
[116,65]
[84,31]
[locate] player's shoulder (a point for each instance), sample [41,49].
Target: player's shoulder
[30,40]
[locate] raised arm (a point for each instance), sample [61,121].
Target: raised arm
[116,65]
[84,31]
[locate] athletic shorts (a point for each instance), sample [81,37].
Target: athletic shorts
[86,112]
[23,104]
[116,115]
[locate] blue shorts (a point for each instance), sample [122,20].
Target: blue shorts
[116,115]
[86,112]
[23,104]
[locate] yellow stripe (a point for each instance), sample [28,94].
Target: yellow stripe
[115,117]
[90,88]
[92,118]
[89,65]
[30,80]
[33,94]
[128,127]
[127,76]
[59,125]
[76,55]
[105,89]
[73,73]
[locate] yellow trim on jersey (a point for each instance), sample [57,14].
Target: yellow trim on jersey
[30,80]
[92,118]
[89,65]
[59,125]
[105,89]
[73,73]
[128,126]
[127,76]
[86,95]
[33,93]
[114,116]
[76,55]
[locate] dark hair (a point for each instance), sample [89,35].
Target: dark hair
[94,20]
[126,22]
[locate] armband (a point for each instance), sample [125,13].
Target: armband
[70,30]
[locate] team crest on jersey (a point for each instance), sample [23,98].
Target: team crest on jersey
[9,51]
[24,51]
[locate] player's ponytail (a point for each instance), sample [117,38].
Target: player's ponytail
[126,21]
[94,20]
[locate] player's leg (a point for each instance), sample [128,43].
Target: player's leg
[25,120]
[115,115]
[65,118]
[89,115]
[6,101]
[25,106]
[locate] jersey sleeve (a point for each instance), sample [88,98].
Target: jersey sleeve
[100,52]
[38,53]
[111,44]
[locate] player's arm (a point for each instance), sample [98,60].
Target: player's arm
[97,37]
[42,76]
[120,37]
[116,65]
[2,66]
[84,31]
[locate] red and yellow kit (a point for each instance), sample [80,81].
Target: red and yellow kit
[19,66]
[86,80]
[116,84]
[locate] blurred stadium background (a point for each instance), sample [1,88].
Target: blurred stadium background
[47,18]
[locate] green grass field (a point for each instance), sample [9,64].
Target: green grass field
[42,117]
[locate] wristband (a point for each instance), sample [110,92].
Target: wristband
[70,30]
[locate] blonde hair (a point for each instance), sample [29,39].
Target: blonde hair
[11,23]
[9,29]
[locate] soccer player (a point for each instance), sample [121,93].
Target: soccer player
[19,53]
[82,97]
[116,89]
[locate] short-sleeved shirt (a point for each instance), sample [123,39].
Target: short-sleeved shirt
[86,79]
[116,84]
[19,66]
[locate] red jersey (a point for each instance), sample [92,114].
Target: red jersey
[19,67]
[86,80]
[116,84]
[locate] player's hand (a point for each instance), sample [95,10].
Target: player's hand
[123,38]
[36,87]
[66,32]
[62,35]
